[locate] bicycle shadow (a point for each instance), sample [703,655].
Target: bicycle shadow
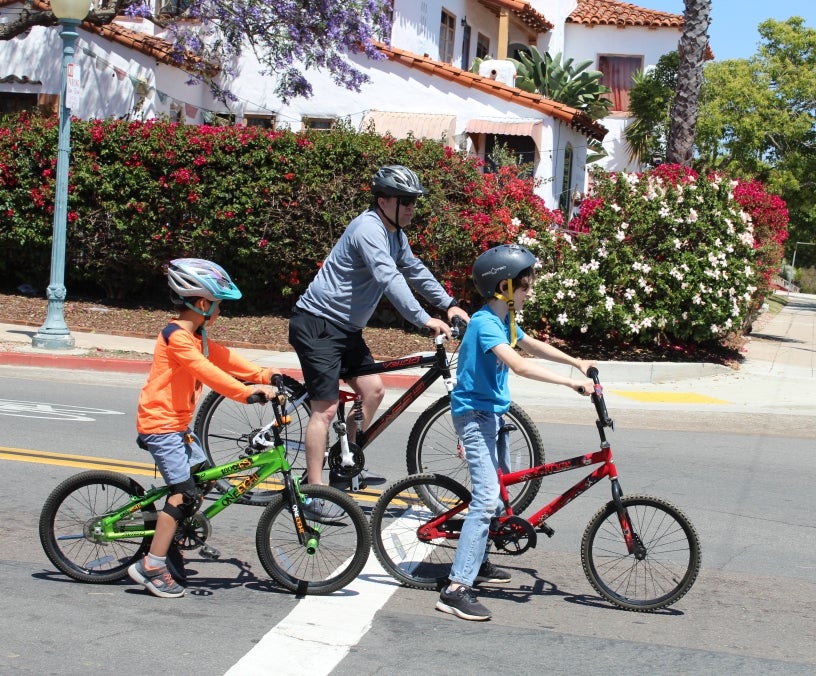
[203,579]
[542,587]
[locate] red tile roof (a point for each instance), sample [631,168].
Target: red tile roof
[522,9]
[614,13]
[575,118]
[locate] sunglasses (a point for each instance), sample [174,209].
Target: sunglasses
[406,201]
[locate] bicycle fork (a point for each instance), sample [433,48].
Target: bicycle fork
[309,540]
[634,545]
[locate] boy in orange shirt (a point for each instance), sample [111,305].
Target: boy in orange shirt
[183,361]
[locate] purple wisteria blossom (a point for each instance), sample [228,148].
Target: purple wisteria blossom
[288,37]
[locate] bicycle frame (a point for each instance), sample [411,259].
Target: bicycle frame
[440,528]
[438,367]
[267,463]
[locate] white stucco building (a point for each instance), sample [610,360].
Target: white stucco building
[424,87]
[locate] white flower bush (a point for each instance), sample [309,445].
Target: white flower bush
[665,257]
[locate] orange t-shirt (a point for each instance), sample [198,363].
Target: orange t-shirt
[168,399]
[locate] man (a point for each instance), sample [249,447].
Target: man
[370,259]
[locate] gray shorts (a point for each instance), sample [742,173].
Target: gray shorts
[174,454]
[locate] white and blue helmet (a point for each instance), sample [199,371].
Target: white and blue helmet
[199,278]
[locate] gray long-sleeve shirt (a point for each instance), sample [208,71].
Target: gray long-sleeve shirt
[367,262]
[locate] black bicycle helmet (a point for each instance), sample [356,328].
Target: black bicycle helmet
[505,261]
[397,181]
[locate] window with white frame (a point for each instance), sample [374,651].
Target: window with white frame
[617,75]
[318,123]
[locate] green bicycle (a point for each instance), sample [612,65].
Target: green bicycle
[95,524]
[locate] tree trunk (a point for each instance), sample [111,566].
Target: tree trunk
[680,144]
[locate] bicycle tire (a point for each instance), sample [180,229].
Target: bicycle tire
[225,427]
[434,447]
[395,520]
[70,512]
[342,549]
[666,572]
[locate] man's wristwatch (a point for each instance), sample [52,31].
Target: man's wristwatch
[453,303]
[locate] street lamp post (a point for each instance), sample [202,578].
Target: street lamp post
[54,334]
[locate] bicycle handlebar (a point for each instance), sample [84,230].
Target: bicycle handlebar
[598,399]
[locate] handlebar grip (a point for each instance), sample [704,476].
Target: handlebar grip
[256,399]
[592,372]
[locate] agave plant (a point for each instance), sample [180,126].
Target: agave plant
[566,82]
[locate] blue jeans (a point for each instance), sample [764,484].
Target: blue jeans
[484,451]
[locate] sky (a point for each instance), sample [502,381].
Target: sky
[733,30]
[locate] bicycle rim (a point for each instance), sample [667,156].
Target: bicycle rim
[434,447]
[402,509]
[342,544]
[225,428]
[67,526]
[670,560]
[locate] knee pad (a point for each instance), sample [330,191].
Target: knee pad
[192,497]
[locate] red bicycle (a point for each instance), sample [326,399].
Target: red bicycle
[639,552]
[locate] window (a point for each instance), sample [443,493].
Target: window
[617,75]
[447,31]
[482,46]
[265,121]
[564,199]
[318,123]
[14,103]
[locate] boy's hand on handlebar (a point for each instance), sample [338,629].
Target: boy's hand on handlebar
[585,364]
[584,387]
[266,391]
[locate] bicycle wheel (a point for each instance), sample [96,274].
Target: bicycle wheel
[434,447]
[402,509]
[70,515]
[225,428]
[341,550]
[662,567]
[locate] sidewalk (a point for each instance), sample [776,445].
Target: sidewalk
[779,373]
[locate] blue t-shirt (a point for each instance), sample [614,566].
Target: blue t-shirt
[482,378]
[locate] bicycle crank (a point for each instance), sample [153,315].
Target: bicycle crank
[193,531]
[514,536]
[335,461]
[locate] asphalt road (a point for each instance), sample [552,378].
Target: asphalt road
[748,490]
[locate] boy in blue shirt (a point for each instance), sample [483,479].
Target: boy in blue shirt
[504,275]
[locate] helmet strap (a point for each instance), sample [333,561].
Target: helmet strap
[511,306]
[203,328]
[385,217]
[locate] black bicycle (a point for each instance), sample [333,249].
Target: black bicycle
[224,427]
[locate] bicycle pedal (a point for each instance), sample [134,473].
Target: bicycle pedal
[544,528]
[208,552]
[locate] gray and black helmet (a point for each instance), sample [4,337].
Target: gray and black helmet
[397,181]
[506,261]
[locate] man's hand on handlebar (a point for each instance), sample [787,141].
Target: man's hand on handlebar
[456,311]
[437,326]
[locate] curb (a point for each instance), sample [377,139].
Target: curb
[81,363]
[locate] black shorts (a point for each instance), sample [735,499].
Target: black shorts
[324,349]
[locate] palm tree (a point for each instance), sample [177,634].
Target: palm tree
[680,144]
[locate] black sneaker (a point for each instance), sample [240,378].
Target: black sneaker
[462,603]
[490,574]
[364,477]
